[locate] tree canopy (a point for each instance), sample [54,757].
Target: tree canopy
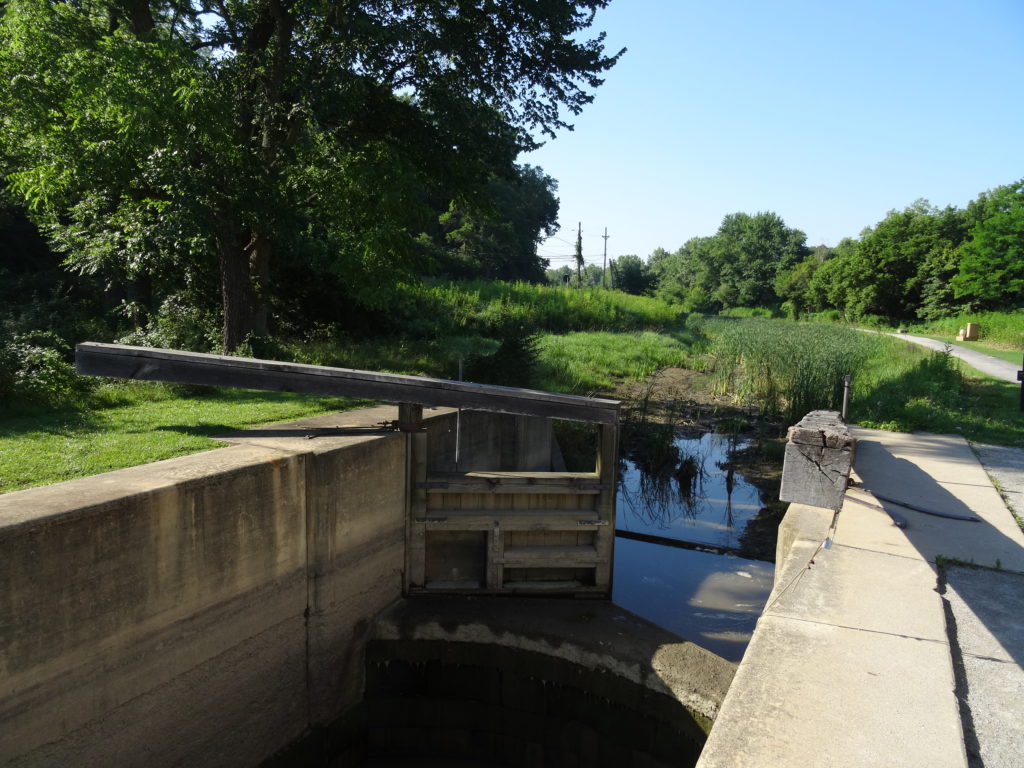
[920,262]
[183,141]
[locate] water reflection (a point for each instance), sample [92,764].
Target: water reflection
[686,488]
[689,491]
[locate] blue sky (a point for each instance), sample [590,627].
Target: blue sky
[828,113]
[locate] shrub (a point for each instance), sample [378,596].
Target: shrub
[751,312]
[34,371]
[179,324]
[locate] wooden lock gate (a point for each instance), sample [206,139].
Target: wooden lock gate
[492,532]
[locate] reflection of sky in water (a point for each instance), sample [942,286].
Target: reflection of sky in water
[711,600]
[712,514]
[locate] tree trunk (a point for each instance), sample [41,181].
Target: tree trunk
[244,271]
[236,289]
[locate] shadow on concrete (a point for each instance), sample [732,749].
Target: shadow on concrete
[935,538]
[985,611]
[903,480]
[995,600]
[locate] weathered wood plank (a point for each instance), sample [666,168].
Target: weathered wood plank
[604,504]
[495,547]
[553,587]
[562,557]
[122,361]
[818,459]
[515,482]
[508,525]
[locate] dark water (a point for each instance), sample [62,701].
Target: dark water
[691,493]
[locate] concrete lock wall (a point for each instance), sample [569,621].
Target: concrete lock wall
[209,609]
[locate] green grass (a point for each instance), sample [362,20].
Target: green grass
[140,423]
[456,308]
[121,425]
[978,407]
[786,368]
[584,363]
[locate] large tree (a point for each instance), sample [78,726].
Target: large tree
[631,275]
[900,258]
[163,137]
[991,267]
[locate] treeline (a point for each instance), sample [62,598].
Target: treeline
[920,263]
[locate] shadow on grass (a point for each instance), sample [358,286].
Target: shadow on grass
[53,422]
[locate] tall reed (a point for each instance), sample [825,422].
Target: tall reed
[783,367]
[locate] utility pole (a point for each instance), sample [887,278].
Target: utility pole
[579,255]
[604,266]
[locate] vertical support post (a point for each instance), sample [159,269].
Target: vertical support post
[607,464]
[410,422]
[416,539]
[410,417]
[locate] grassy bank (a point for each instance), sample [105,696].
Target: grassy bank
[584,363]
[563,340]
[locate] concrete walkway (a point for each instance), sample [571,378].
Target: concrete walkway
[876,651]
[992,366]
